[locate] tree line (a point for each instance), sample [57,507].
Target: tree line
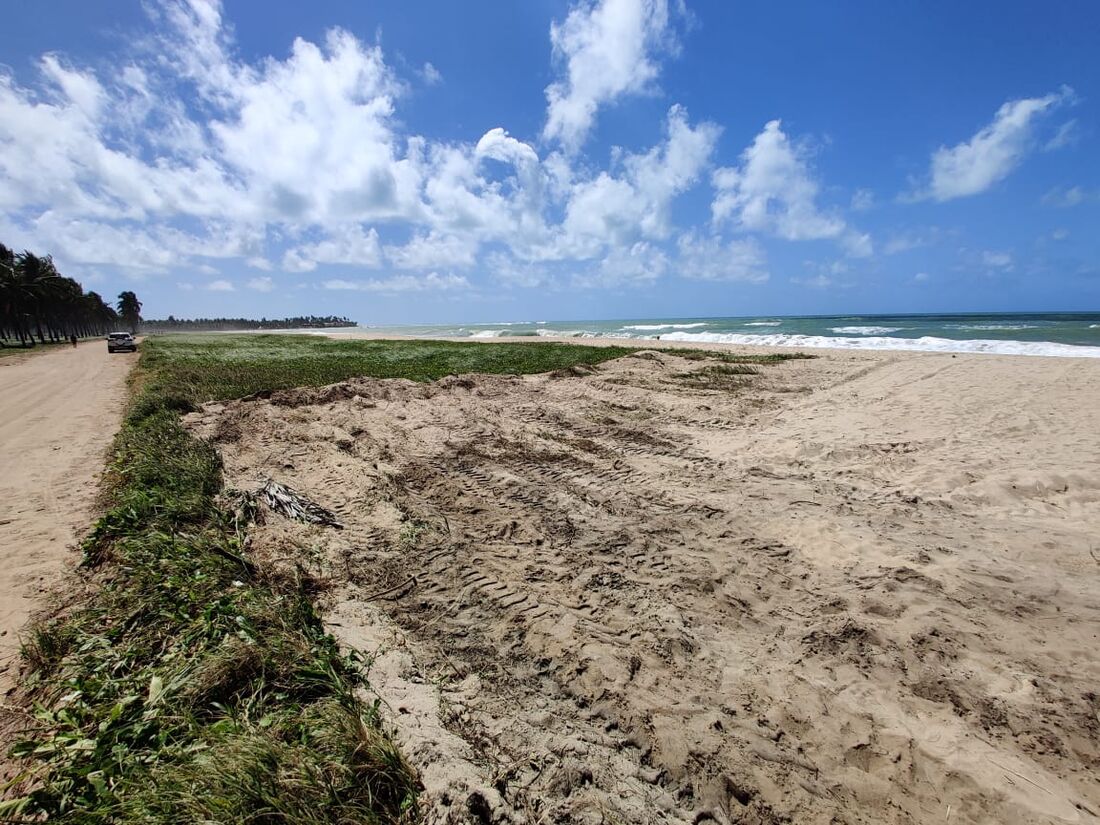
[39,304]
[173,324]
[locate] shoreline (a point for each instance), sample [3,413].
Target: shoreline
[674,343]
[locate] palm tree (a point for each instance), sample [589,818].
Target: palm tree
[129,309]
[37,283]
[36,299]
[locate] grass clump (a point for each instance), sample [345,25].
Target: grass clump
[761,359]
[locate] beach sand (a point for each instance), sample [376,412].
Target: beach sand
[863,588]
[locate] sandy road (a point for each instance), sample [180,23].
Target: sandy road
[58,413]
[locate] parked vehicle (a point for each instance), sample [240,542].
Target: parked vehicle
[121,342]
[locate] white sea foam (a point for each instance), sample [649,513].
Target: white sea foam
[927,343]
[1094,326]
[992,327]
[564,333]
[864,330]
[762,323]
[649,327]
[487,333]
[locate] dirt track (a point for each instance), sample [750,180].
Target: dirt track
[857,589]
[58,413]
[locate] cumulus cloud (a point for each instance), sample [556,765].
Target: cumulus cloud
[348,245]
[432,251]
[621,209]
[773,190]
[220,286]
[432,282]
[608,50]
[193,155]
[708,259]
[997,149]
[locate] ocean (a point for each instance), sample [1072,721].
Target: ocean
[1065,334]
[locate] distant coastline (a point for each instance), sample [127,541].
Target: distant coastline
[171,324]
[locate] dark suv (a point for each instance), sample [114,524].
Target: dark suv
[121,341]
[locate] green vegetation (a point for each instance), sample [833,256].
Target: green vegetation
[198,368]
[194,685]
[173,324]
[36,300]
[735,358]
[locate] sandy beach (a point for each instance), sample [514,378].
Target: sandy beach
[860,588]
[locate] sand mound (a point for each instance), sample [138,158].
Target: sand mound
[856,589]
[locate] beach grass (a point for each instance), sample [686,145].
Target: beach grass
[200,368]
[189,684]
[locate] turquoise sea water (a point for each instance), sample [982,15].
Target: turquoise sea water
[1066,334]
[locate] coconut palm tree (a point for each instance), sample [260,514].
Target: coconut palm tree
[35,299]
[129,309]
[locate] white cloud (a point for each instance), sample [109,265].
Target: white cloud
[621,210]
[906,240]
[862,200]
[193,155]
[499,145]
[773,190]
[1066,135]
[641,262]
[432,282]
[607,48]
[857,244]
[348,245]
[1059,234]
[819,281]
[997,260]
[710,260]
[920,277]
[1068,196]
[994,152]
[220,286]
[433,251]
[431,75]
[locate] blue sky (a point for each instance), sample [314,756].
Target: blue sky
[439,162]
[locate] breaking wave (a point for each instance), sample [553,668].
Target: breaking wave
[926,343]
[864,330]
